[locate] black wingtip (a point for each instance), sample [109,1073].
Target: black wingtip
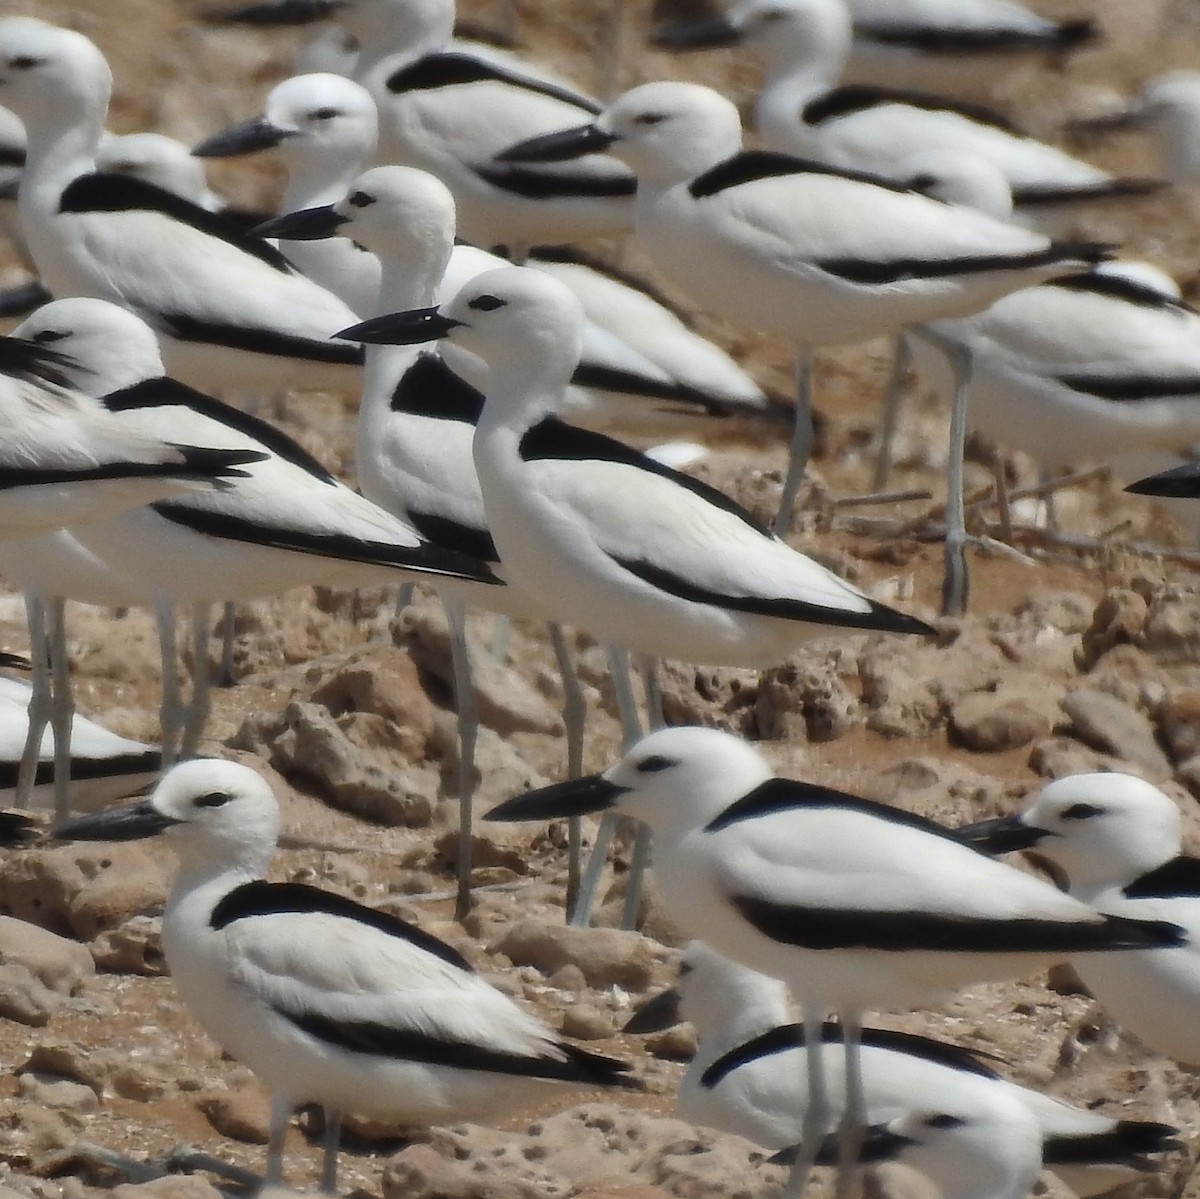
[602,1071]
[1144,934]
[18,829]
[889,620]
[203,462]
[1127,1142]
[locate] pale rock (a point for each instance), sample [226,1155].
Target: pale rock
[115,896]
[242,1115]
[500,772]
[584,1022]
[1172,629]
[1057,757]
[133,948]
[176,1186]
[677,1044]
[1112,726]
[57,963]
[68,1059]
[1178,718]
[1119,619]
[605,956]
[806,698]
[1003,719]
[61,1094]
[24,999]
[420,1172]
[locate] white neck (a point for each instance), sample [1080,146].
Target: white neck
[62,146]
[321,178]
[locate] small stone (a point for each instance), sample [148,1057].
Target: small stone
[241,1115]
[177,1186]
[991,722]
[115,896]
[583,1022]
[1117,620]
[1179,723]
[1172,629]
[1057,757]
[676,1044]
[57,963]
[142,1084]
[23,997]
[62,1094]
[568,978]
[605,956]
[1112,726]
[67,1059]
[134,948]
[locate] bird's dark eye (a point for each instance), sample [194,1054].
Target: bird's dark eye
[486,303]
[46,336]
[25,62]
[653,764]
[214,799]
[359,200]
[685,968]
[945,1120]
[323,114]
[650,118]
[1081,811]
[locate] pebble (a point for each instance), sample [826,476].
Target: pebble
[24,998]
[114,896]
[583,1022]
[1118,620]
[1113,726]
[133,948]
[1178,719]
[676,1044]
[58,963]
[241,1115]
[177,1186]
[61,1094]
[994,721]
[604,955]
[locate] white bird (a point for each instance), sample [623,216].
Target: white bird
[952,44]
[286,524]
[749,1075]
[229,308]
[1117,840]
[801,110]
[854,904]
[326,1000]
[809,252]
[104,766]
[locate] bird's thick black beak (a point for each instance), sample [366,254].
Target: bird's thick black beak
[401,328]
[655,1014]
[305,224]
[278,12]
[1005,834]
[1181,482]
[132,822]
[561,146]
[1109,122]
[701,33]
[879,1144]
[248,137]
[575,797]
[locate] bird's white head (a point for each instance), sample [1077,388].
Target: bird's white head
[155,158]
[51,77]
[958,177]
[401,214]
[112,347]
[721,997]
[217,815]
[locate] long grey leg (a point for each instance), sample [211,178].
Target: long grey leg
[801,446]
[854,1113]
[468,735]
[631,730]
[641,842]
[281,1113]
[226,676]
[63,702]
[40,699]
[331,1143]
[404,597]
[955,583]
[816,1114]
[574,715]
[890,417]
[201,705]
[171,711]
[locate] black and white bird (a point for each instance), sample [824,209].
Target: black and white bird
[809,252]
[854,904]
[749,1075]
[1117,841]
[232,313]
[326,1000]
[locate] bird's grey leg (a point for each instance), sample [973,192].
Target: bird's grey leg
[63,703]
[171,711]
[801,446]
[816,1114]
[1049,501]
[331,1143]
[468,735]
[631,731]
[226,677]
[854,1113]
[955,584]
[201,705]
[189,1158]
[281,1113]
[890,417]
[404,597]
[574,715]
[640,859]
[40,699]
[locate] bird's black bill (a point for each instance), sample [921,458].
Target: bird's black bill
[133,822]
[879,1144]
[559,147]
[1005,834]
[702,33]
[656,1014]
[306,224]
[249,137]
[401,328]
[575,797]
[1181,482]
[281,12]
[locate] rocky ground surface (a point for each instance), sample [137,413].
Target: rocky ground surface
[1075,656]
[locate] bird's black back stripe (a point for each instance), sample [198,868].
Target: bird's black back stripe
[103,192]
[859,97]
[790,795]
[17,829]
[931,40]
[1132,389]
[361,1036]
[1180,876]
[1104,189]
[427,559]
[552,439]
[1120,287]
[260,898]
[87,769]
[451,69]
[533,184]
[165,392]
[787,1037]
[749,166]
[946,932]
[1124,1144]
[430,388]
[261,340]
[858,270]
[450,534]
